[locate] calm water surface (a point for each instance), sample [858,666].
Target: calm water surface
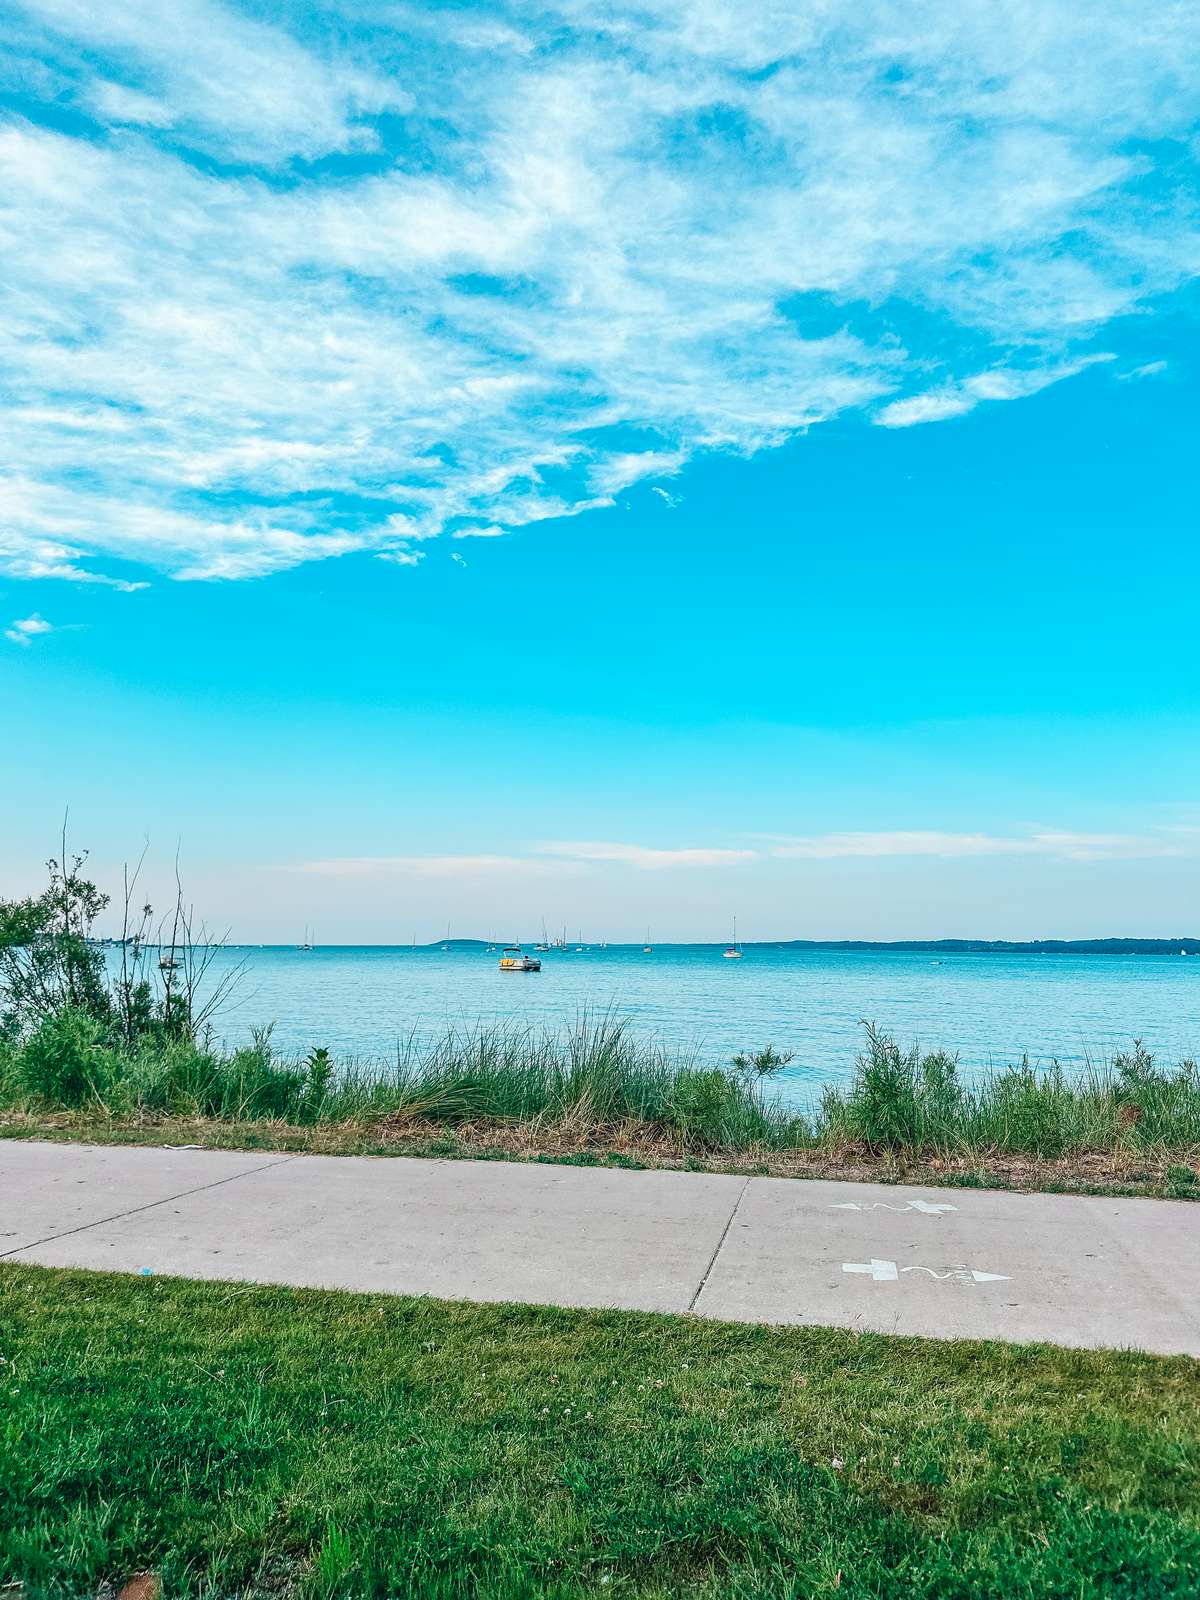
[991,1009]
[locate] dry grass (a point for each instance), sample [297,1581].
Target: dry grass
[630,1143]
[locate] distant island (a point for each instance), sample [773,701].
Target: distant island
[969,947]
[1015,947]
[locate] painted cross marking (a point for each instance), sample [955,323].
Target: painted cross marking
[889,1272]
[925,1207]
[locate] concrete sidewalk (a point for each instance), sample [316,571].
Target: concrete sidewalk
[945,1263]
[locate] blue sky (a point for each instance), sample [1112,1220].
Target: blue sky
[627,464]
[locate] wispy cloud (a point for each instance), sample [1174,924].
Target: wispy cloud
[564,855]
[1058,844]
[445,866]
[305,283]
[239,88]
[955,399]
[1151,369]
[646,857]
[26,629]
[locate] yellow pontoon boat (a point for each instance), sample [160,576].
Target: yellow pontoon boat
[514,959]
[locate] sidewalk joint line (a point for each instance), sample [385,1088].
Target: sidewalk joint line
[150,1205]
[724,1235]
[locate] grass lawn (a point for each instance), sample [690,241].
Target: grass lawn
[246,1441]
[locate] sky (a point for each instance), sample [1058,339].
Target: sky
[627,464]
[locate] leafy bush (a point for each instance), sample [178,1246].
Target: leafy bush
[47,964]
[897,1098]
[66,1060]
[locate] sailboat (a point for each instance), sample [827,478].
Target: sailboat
[579,946]
[732,952]
[545,944]
[647,948]
[446,946]
[308,944]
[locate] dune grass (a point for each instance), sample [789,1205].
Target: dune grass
[599,1076]
[244,1441]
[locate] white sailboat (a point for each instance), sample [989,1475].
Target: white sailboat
[732,951]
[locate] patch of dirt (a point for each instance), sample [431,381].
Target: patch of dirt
[142,1586]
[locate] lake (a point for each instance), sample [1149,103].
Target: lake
[990,1009]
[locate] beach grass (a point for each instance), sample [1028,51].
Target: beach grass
[599,1085]
[242,1441]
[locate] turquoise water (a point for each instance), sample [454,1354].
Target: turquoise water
[991,1009]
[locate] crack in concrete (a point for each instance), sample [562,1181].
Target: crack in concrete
[150,1205]
[724,1235]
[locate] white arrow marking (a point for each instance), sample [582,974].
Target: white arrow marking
[889,1272]
[923,1206]
[879,1271]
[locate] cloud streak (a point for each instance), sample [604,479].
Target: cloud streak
[556,856]
[294,292]
[1059,845]
[647,858]
[444,866]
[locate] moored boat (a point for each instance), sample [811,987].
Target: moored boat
[514,959]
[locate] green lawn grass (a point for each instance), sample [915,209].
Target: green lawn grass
[250,1441]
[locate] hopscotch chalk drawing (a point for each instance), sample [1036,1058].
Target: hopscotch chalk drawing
[925,1207]
[889,1272]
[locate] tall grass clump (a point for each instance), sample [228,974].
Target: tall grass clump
[593,1076]
[905,1100]
[897,1099]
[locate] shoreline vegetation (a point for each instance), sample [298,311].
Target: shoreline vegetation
[88,1052]
[599,1094]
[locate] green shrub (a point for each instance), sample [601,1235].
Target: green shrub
[897,1098]
[66,1059]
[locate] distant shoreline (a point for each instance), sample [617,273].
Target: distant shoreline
[1035,947]
[1030,947]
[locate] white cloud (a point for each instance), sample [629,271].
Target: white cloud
[645,857]
[999,384]
[114,102]
[26,629]
[449,866]
[1059,844]
[240,87]
[623,470]
[571,249]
